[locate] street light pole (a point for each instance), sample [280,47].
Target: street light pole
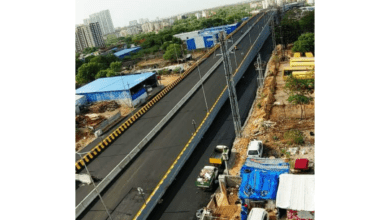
[204,94]
[177,58]
[141,192]
[94,186]
[194,124]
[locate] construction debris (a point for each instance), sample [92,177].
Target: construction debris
[104,106]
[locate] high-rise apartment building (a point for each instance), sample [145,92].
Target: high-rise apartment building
[133,23]
[134,29]
[143,20]
[89,36]
[97,34]
[87,21]
[105,22]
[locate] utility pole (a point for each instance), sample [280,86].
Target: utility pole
[182,51]
[260,69]
[177,58]
[230,84]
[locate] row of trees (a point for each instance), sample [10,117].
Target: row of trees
[293,25]
[305,43]
[152,42]
[95,67]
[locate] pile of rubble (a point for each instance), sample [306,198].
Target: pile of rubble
[89,120]
[104,106]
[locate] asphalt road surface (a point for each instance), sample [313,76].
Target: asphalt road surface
[147,169]
[183,198]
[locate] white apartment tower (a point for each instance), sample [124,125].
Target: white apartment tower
[104,19]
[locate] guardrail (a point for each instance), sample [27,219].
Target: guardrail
[168,178]
[101,186]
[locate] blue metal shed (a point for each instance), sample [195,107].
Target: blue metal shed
[112,88]
[126,52]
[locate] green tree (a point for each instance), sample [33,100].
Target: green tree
[299,90]
[111,72]
[101,73]
[172,53]
[305,43]
[87,59]
[116,66]
[78,64]
[87,72]
[307,22]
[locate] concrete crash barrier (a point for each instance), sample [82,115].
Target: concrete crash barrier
[97,149]
[168,178]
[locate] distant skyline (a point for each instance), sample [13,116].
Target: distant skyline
[123,11]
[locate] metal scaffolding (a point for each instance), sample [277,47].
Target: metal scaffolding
[230,83]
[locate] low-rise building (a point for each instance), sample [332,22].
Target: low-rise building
[296,195]
[126,52]
[204,14]
[131,88]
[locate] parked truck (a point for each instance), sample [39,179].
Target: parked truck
[207,177]
[209,174]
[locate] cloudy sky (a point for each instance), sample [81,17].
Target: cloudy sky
[123,11]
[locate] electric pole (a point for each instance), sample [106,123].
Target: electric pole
[230,84]
[260,69]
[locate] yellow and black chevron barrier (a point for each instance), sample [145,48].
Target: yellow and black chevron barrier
[120,130]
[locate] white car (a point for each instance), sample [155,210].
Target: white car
[255,149]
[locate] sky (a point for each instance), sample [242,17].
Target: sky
[123,11]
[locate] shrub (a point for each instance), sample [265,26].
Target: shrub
[299,99]
[294,136]
[177,70]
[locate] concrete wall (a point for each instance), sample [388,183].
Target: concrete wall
[108,121]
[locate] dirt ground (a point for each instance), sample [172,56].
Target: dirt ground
[272,120]
[155,61]
[168,79]
[95,114]
[197,55]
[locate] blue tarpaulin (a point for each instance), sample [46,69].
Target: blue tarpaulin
[260,178]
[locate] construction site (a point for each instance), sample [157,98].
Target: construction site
[287,133]
[92,116]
